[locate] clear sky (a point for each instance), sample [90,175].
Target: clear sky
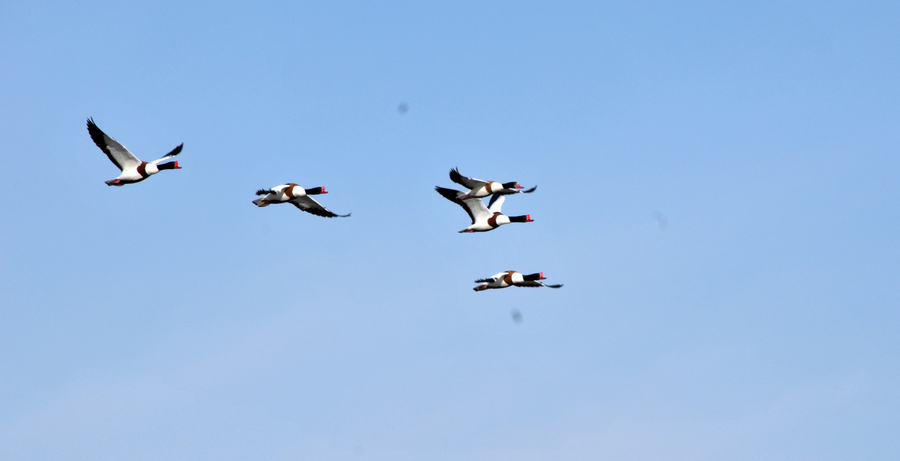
[717,190]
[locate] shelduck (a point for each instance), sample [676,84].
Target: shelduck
[133,169]
[513,278]
[483,219]
[479,188]
[300,197]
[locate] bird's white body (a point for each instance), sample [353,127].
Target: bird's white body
[489,188]
[138,173]
[505,279]
[281,194]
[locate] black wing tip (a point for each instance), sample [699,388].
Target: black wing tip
[92,126]
[455,176]
[175,151]
[93,129]
[97,136]
[265,192]
[451,194]
[554,286]
[326,213]
[318,210]
[529,190]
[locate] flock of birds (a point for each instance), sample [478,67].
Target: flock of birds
[484,218]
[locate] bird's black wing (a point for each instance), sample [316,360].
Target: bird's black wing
[172,153]
[501,192]
[488,280]
[453,196]
[115,151]
[535,284]
[309,205]
[471,183]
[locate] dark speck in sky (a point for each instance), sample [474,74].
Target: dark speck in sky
[660,219]
[403,108]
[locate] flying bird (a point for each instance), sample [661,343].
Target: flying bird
[300,197]
[483,219]
[133,169]
[479,188]
[513,278]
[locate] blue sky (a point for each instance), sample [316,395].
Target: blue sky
[172,319]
